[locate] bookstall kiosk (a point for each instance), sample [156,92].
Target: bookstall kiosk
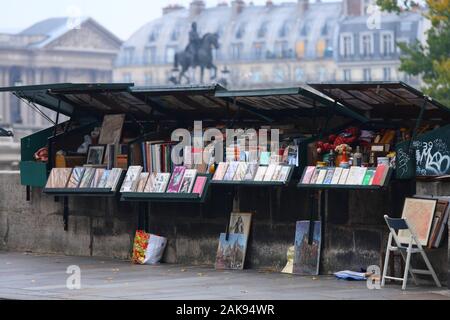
[152,110]
[392,105]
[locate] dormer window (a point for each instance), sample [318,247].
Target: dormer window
[284,30]
[240,31]
[262,31]
[154,34]
[305,29]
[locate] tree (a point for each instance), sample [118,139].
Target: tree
[432,60]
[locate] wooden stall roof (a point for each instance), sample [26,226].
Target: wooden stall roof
[384,100]
[183,102]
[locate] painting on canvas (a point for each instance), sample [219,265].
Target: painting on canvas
[419,213]
[231,252]
[240,223]
[307,250]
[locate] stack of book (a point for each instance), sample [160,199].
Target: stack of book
[244,171]
[83,178]
[359,176]
[182,180]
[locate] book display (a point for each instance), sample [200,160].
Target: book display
[243,173]
[354,177]
[182,185]
[83,181]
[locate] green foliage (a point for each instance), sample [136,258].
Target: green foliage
[432,60]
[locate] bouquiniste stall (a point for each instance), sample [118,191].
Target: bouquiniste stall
[321,127]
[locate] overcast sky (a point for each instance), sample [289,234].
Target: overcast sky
[122,17]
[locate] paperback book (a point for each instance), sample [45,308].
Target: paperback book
[131,179]
[188,180]
[220,171]
[176,179]
[75,177]
[58,178]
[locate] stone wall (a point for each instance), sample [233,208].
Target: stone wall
[354,234]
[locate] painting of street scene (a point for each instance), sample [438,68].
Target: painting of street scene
[307,255]
[231,252]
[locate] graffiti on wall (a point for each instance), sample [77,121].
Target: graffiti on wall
[432,157]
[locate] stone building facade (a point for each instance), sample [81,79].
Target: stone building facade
[272,45]
[55,50]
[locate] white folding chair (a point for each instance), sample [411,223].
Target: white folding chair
[414,246]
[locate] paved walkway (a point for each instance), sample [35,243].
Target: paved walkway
[33,276]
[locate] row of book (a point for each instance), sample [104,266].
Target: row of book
[182,180]
[345,176]
[244,171]
[156,156]
[84,177]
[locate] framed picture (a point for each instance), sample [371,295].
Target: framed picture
[419,213]
[96,154]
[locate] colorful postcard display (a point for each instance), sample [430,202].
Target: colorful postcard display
[419,213]
[307,248]
[353,176]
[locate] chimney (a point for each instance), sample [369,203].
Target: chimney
[196,7]
[237,6]
[269,3]
[171,8]
[303,6]
[222,4]
[353,7]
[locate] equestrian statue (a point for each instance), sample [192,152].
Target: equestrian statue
[198,53]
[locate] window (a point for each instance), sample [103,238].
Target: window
[284,30]
[305,28]
[236,50]
[278,75]
[127,77]
[258,50]
[128,55]
[347,75]
[403,41]
[320,48]
[263,29]
[299,74]
[175,35]
[366,45]
[170,54]
[240,31]
[150,55]
[281,49]
[346,45]
[324,30]
[154,34]
[387,74]
[387,43]
[367,74]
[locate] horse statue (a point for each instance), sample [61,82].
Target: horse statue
[203,59]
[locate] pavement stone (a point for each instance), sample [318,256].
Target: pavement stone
[43,277]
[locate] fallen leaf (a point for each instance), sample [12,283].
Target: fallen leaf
[200,274]
[183,270]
